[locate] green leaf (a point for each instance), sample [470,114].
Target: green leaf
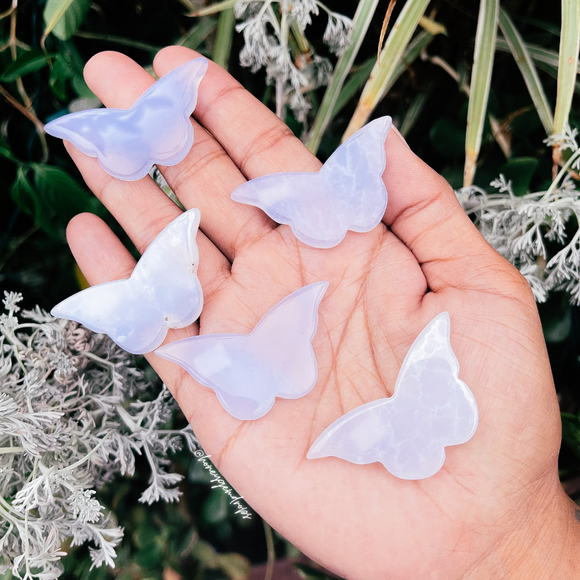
[53,197]
[568,62]
[215,507]
[520,171]
[5,150]
[26,198]
[198,33]
[448,137]
[224,37]
[63,17]
[524,61]
[361,21]
[61,71]
[480,84]
[28,62]
[571,433]
[81,88]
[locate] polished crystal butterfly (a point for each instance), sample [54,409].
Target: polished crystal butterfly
[155,130]
[163,292]
[408,432]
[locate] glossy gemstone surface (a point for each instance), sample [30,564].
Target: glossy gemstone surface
[248,371]
[163,292]
[348,193]
[155,130]
[408,432]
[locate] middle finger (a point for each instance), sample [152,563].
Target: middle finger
[205,178]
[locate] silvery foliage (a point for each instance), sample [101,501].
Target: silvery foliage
[518,227]
[71,419]
[266,45]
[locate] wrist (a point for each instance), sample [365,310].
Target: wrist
[543,542]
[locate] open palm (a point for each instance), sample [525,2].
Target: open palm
[385,286]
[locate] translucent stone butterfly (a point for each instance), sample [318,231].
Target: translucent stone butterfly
[163,292]
[348,193]
[155,130]
[248,371]
[408,432]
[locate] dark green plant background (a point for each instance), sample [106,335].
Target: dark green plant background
[200,537]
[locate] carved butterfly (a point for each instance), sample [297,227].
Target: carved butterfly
[163,292]
[408,432]
[348,193]
[248,371]
[155,130]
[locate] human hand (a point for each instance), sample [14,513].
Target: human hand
[496,507]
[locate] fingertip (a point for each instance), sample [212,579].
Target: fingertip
[171,57]
[116,79]
[101,62]
[99,253]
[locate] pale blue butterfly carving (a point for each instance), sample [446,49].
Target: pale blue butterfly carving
[248,371]
[348,193]
[155,130]
[408,432]
[163,292]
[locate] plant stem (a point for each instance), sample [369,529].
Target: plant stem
[361,21]
[271,552]
[7,450]
[30,115]
[118,40]
[561,174]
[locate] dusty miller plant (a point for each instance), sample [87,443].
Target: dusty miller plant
[71,419]
[267,33]
[533,230]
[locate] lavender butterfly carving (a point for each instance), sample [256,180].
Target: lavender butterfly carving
[163,292]
[408,432]
[155,130]
[248,371]
[348,193]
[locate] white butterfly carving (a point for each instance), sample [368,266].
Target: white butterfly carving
[155,130]
[163,292]
[348,193]
[248,371]
[408,432]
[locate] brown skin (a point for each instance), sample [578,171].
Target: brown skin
[496,508]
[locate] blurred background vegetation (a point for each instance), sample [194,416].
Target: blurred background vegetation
[423,82]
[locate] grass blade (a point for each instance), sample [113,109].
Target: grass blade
[480,83]
[381,75]
[357,79]
[544,58]
[528,70]
[568,62]
[215,8]
[413,112]
[224,37]
[53,12]
[198,33]
[361,21]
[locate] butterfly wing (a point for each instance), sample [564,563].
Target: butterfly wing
[300,200]
[354,174]
[89,131]
[248,372]
[431,409]
[347,194]
[163,292]
[115,308]
[156,129]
